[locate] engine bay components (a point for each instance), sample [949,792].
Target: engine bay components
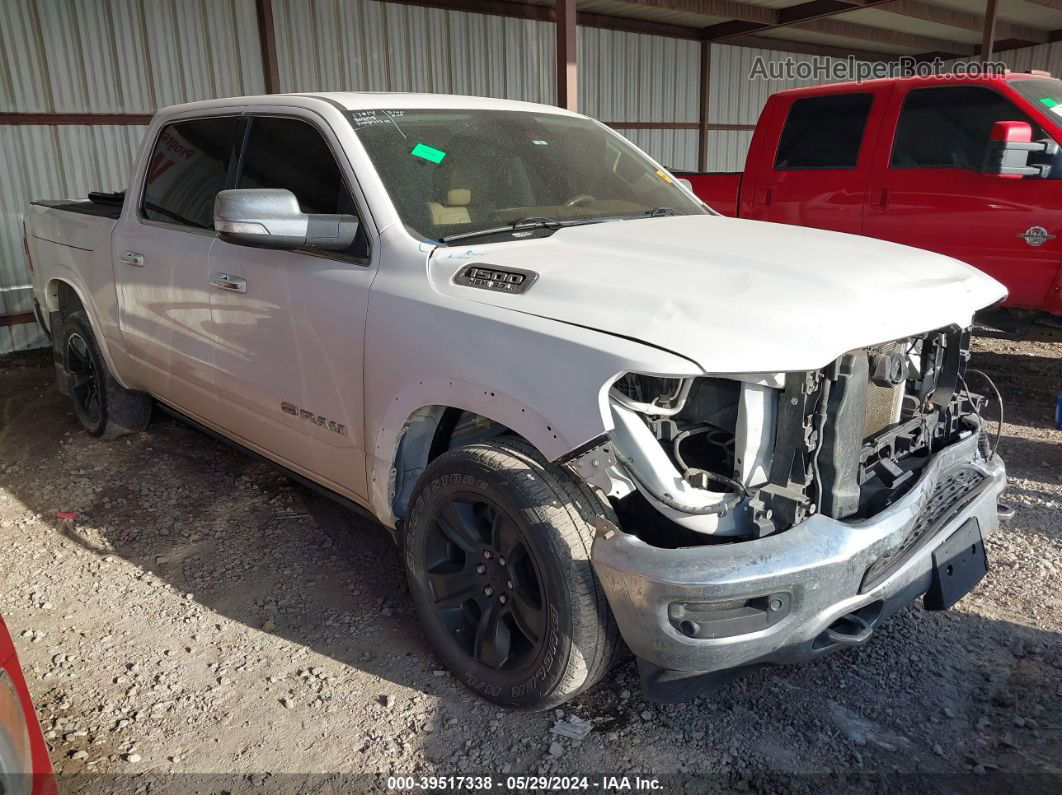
[747,456]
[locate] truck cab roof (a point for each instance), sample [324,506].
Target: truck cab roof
[950,79]
[372,100]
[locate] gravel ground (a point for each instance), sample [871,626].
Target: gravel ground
[202,614]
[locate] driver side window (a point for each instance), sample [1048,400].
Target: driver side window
[292,154]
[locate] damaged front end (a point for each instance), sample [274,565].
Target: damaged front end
[772,518]
[747,456]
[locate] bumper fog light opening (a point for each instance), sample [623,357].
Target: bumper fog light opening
[729,618]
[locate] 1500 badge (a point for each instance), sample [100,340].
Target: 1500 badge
[316,419]
[487,277]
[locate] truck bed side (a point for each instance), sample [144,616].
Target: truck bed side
[720,190]
[70,242]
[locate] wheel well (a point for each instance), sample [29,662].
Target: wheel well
[63,298]
[428,433]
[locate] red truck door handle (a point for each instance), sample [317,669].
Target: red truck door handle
[763,196]
[878,198]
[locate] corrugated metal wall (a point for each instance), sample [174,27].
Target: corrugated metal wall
[124,56]
[1042,56]
[359,45]
[633,77]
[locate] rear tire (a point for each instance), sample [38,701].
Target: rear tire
[497,552]
[103,406]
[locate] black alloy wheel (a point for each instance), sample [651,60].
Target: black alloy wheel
[84,380]
[104,407]
[486,584]
[496,547]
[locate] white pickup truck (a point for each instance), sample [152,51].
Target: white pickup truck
[592,412]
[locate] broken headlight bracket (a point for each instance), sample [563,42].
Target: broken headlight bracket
[784,501]
[598,466]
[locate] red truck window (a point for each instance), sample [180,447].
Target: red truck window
[824,132]
[949,127]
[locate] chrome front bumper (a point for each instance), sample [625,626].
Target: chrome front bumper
[806,581]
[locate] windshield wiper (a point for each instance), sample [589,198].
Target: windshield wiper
[657,212]
[534,222]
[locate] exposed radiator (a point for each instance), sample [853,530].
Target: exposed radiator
[883,403]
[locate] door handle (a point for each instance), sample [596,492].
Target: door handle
[878,198]
[763,197]
[228,282]
[133,258]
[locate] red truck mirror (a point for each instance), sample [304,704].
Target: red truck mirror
[1009,146]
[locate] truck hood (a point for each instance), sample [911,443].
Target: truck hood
[734,296]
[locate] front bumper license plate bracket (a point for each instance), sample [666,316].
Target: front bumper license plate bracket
[959,563]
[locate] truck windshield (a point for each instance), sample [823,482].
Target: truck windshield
[1044,92]
[463,173]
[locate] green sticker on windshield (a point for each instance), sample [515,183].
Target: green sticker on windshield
[1047,101]
[428,153]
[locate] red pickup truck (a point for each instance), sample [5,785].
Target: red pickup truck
[964,166]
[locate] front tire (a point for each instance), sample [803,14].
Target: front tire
[497,552]
[103,406]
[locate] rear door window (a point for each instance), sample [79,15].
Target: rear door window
[188,167]
[824,132]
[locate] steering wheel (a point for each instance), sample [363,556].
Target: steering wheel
[579,200]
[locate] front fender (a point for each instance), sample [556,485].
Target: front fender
[557,406]
[544,379]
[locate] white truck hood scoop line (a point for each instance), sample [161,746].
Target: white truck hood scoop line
[732,295]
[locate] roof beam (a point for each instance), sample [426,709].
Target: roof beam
[915,9]
[730,9]
[895,38]
[989,39]
[567,68]
[1055,4]
[267,42]
[517,9]
[1000,46]
[802,12]
[807,48]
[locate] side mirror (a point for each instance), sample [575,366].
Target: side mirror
[1009,146]
[685,183]
[272,218]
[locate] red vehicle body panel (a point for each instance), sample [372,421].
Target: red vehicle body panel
[43,778]
[975,217]
[720,190]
